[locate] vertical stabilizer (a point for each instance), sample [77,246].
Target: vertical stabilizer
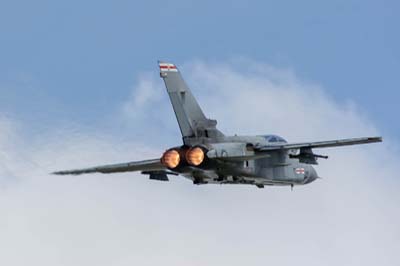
[191,119]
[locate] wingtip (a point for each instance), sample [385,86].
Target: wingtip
[376,139]
[57,173]
[62,173]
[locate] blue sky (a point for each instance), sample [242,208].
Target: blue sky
[79,86]
[77,61]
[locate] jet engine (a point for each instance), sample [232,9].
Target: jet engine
[195,156]
[183,156]
[171,158]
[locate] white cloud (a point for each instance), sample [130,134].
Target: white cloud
[350,217]
[147,92]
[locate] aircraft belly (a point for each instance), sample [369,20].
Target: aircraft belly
[206,178]
[278,171]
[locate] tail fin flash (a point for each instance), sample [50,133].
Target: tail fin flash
[191,119]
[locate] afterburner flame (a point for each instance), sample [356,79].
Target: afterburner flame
[195,156]
[171,158]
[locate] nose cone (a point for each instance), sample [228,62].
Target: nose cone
[311,176]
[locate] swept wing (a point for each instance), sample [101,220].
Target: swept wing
[146,166]
[306,155]
[320,144]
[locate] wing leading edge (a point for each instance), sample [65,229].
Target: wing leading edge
[146,165]
[321,144]
[306,155]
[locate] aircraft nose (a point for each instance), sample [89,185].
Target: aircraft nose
[311,176]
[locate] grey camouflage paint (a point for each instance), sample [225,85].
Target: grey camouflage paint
[254,160]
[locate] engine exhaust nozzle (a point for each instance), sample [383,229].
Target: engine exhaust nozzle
[171,159]
[195,156]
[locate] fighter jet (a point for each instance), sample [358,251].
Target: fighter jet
[207,156]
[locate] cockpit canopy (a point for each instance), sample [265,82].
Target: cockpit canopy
[274,138]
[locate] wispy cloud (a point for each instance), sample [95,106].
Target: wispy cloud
[350,217]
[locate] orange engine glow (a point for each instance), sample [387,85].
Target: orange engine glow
[171,158]
[195,156]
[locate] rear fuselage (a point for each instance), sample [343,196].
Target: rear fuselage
[274,168]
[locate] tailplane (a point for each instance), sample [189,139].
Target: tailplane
[192,122]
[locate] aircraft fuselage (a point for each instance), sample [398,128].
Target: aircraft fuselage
[275,169]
